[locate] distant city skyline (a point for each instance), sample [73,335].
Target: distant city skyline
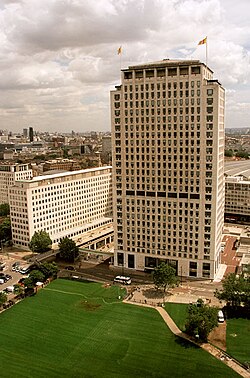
[59,61]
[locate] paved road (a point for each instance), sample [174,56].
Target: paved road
[106,273]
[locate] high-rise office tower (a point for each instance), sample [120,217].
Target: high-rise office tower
[31,134]
[168,167]
[25,133]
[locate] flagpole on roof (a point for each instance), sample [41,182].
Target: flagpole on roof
[206,51]
[119,52]
[204,42]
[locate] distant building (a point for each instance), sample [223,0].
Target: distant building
[168,167]
[8,154]
[106,144]
[62,164]
[4,146]
[10,173]
[64,205]
[86,149]
[25,133]
[31,134]
[237,190]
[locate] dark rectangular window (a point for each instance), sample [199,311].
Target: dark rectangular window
[120,258]
[195,70]
[172,71]
[131,261]
[172,195]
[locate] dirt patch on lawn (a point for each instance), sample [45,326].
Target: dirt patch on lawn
[88,306]
[218,336]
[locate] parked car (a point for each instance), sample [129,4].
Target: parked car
[8,277]
[2,281]
[69,267]
[3,278]
[16,265]
[10,289]
[24,270]
[21,281]
[2,266]
[220,317]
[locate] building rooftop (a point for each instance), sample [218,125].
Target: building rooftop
[63,174]
[166,63]
[238,168]
[9,163]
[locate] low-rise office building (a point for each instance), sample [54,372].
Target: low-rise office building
[64,204]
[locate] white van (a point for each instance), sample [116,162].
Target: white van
[123,280]
[220,317]
[24,270]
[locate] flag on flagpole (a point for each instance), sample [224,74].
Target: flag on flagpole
[203,41]
[119,51]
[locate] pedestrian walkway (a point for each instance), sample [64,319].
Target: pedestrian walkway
[217,353]
[221,271]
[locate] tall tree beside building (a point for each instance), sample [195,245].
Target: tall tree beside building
[40,242]
[164,277]
[68,250]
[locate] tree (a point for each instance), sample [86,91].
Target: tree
[34,277]
[235,290]
[19,290]
[48,269]
[229,153]
[40,242]
[164,277]
[28,283]
[201,320]
[4,210]
[242,154]
[39,157]
[68,250]
[3,298]
[5,230]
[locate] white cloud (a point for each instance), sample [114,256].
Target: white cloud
[58,59]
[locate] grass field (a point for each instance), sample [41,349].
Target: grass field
[178,313]
[238,340]
[73,329]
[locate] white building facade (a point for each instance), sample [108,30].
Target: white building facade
[9,174]
[64,205]
[168,167]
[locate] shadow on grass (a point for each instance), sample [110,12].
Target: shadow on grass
[185,343]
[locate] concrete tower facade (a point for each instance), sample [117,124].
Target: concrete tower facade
[168,167]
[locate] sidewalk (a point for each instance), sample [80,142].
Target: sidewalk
[182,294]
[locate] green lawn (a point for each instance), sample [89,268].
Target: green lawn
[238,340]
[73,329]
[178,313]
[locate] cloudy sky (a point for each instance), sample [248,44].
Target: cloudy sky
[58,59]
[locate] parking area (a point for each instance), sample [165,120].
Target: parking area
[8,272]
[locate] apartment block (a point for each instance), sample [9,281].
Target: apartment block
[64,205]
[168,167]
[9,174]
